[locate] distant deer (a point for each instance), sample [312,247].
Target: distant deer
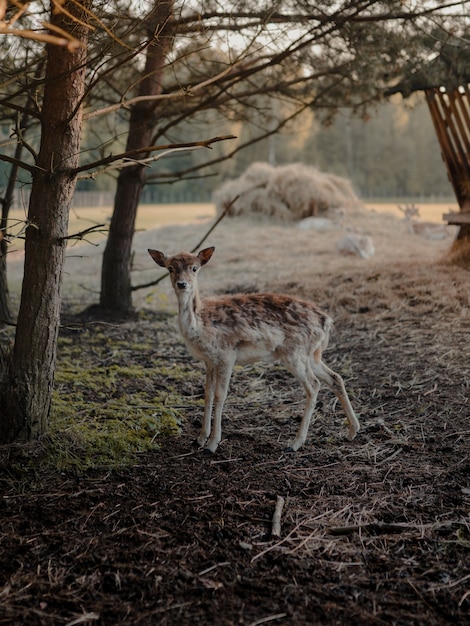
[429,230]
[243,328]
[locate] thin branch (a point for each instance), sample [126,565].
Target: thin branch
[22,140]
[193,21]
[81,234]
[182,174]
[133,162]
[60,8]
[112,158]
[386,527]
[183,92]
[70,44]
[217,221]
[25,166]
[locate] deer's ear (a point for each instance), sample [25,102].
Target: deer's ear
[205,255]
[158,257]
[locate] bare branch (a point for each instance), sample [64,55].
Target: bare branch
[182,93]
[81,235]
[276,521]
[141,151]
[71,44]
[25,166]
[206,235]
[216,223]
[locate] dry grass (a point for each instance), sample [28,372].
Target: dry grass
[258,255]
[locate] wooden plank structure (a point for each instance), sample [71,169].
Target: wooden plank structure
[450,113]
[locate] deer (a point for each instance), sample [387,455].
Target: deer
[429,230]
[234,329]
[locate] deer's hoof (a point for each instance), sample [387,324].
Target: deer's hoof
[200,441]
[289,450]
[352,434]
[208,451]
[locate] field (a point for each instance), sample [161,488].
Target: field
[373,532]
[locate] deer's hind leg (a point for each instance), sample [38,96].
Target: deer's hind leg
[303,372]
[336,384]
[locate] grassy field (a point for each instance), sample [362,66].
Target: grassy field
[148,218]
[158,215]
[430,212]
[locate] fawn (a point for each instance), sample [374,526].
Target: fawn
[243,328]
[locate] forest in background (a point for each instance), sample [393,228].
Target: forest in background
[393,152]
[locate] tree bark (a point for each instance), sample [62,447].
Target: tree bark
[28,374]
[464,233]
[116,287]
[6,315]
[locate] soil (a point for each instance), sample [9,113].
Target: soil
[373,531]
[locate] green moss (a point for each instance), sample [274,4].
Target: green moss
[93,434]
[104,413]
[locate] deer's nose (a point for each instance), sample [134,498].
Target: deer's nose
[181,284]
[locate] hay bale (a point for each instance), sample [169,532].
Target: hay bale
[288,192]
[250,186]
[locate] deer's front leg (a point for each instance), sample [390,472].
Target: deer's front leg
[209,393]
[223,373]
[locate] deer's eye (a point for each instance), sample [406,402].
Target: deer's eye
[171,269]
[195,268]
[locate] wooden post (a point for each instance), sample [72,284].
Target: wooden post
[450,113]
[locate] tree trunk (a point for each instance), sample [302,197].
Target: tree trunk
[464,233]
[116,291]
[28,375]
[6,315]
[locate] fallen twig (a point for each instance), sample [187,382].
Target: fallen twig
[276,522]
[277,544]
[385,527]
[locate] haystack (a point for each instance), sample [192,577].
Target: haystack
[288,192]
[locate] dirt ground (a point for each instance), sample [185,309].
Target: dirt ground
[374,531]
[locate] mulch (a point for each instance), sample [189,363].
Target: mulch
[374,531]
